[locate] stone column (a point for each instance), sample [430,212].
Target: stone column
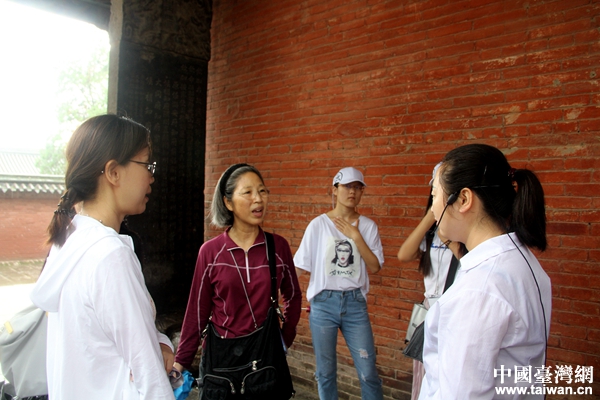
[158,77]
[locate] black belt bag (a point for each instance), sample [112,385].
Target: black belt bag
[253,366]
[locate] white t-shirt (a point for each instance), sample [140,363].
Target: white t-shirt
[441,256]
[333,259]
[491,319]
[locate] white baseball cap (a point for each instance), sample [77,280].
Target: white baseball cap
[348,175]
[437,166]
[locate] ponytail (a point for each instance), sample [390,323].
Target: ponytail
[529,211]
[57,230]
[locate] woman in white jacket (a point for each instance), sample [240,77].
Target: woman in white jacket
[102,340]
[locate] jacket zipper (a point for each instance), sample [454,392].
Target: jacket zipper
[222,377]
[247,267]
[254,370]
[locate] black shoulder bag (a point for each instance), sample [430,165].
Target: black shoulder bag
[414,348]
[253,366]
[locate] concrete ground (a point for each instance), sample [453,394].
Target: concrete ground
[16,281]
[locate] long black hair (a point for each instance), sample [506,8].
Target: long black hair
[512,198]
[425,261]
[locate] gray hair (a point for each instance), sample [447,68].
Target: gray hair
[220,215]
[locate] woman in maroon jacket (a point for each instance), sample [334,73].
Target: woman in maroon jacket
[232,280]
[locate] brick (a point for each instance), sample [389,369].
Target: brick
[312,86]
[567,228]
[23,226]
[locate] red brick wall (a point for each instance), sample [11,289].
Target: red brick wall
[23,223]
[303,88]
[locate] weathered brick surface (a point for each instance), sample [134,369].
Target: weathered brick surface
[23,224]
[301,88]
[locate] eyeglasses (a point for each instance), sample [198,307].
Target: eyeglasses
[150,166]
[356,187]
[250,194]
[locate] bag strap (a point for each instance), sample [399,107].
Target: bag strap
[273,270]
[451,272]
[272,264]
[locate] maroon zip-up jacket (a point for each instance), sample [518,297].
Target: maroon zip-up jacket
[235,287]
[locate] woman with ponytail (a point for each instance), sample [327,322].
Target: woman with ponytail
[496,316]
[102,340]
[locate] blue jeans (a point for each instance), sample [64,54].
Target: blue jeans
[331,310]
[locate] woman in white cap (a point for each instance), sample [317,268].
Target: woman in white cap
[337,295]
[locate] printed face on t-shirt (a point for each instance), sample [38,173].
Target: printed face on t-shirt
[342,259]
[343,254]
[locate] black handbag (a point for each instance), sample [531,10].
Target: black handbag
[414,348]
[253,366]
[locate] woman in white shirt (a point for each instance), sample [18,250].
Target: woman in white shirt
[435,255]
[102,340]
[339,249]
[496,315]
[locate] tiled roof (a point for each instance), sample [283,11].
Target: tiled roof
[35,184]
[18,163]
[19,174]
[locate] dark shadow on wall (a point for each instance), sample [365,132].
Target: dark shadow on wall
[167,93]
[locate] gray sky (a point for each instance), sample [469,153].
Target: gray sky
[34,47]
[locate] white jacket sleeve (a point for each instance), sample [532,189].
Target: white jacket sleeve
[124,311]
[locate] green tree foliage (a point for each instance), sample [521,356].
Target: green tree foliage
[52,159]
[83,93]
[84,88]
